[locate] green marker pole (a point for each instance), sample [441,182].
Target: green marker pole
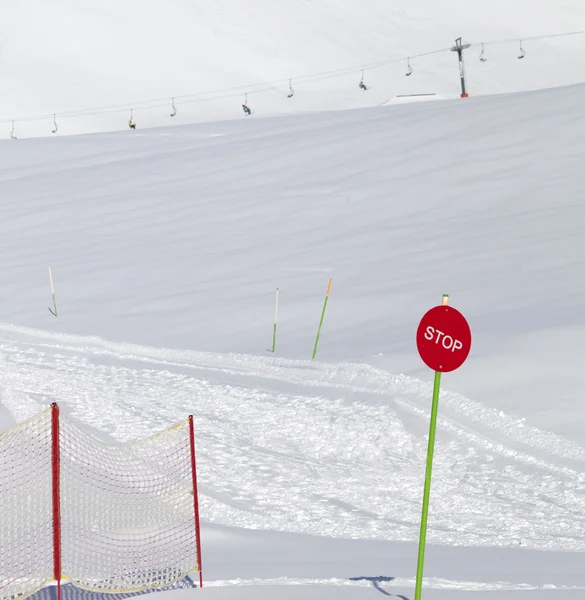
[275,316]
[427,491]
[53,293]
[428,476]
[322,317]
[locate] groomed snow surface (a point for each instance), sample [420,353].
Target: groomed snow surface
[167,245]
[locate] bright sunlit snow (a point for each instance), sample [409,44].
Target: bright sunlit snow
[167,245]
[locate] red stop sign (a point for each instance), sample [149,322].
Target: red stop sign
[443,339]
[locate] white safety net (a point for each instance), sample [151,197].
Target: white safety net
[26,507]
[127,518]
[127,510]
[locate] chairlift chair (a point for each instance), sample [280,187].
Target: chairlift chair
[291,92]
[55,126]
[245,106]
[174,111]
[361,84]
[409,69]
[482,54]
[522,53]
[12,132]
[131,122]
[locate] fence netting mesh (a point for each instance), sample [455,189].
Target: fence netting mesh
[127,521]
[26,507]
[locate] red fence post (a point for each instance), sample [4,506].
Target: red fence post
[56,478]
[195,498]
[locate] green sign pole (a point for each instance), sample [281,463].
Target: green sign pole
[443,340]
[427,491]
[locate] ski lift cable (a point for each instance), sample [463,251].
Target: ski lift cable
[188,98]
[144,105]
[529,38]
[207,96]
[154,106]
[318,75]
[215,94]
[307,78]
[155,103]
[115,110]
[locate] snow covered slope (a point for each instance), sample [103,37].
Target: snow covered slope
[64,55]
[178,237]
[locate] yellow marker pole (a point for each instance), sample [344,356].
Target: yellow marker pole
[322,317]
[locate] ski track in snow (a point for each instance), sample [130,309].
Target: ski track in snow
[332,450]
[429,583]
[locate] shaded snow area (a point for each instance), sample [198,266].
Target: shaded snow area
[311,472]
